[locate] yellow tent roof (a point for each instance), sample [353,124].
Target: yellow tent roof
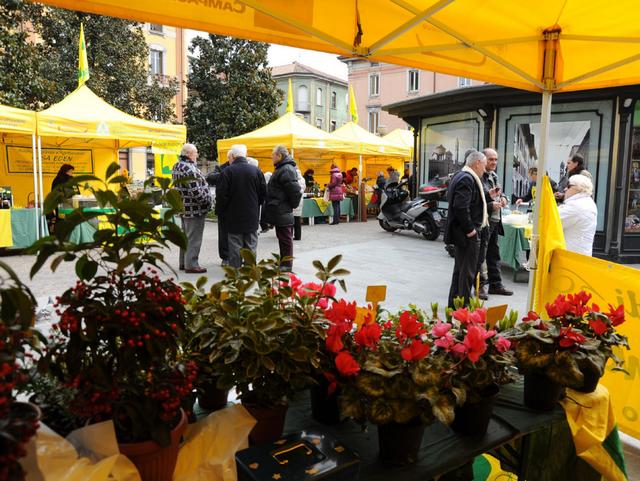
[368,143]
[401,137]
[288,130]
[16,122]
[547,45]
[84,118]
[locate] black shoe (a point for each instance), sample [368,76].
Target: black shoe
[500,291]
[483,296]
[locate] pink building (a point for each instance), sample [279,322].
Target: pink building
[376,84]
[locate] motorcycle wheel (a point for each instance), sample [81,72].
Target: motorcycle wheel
[385,225]
[433,231]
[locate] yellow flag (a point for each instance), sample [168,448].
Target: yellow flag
[353,110]
[290,98]
[551,238]
[83,64]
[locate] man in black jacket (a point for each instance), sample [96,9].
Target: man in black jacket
[467,216]
[223,243]
[240,191]
[283,194]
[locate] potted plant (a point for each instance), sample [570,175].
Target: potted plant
[475,360]
[18,420]
[557,353]
[116,345]
[378,365]
[263,333]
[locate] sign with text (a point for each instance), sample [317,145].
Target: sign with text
[20,160]
[615,284]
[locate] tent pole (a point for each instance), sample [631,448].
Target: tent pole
[545,122]
[36,198]
[360,190]
[42,218]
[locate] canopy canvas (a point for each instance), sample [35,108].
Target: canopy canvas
[401,137]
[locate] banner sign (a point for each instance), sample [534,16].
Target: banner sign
[20,160]
[614,284]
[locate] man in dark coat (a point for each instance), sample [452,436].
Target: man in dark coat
[467,216]
[283,195]
[491,277]
[223,242]
[240,191]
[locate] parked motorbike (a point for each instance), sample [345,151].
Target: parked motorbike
[398,212]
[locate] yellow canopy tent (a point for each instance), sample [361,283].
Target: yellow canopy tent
[401,137]
[311,147]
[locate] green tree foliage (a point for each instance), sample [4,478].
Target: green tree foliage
[116,50]
[231,90]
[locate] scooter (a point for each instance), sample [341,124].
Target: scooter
[421,214]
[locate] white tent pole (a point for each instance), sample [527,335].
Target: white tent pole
[42,218]
[545,122]
[360,191]
[35,183]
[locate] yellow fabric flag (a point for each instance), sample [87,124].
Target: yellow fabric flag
[551,238]
[83,64]
[353,110]
[290,98]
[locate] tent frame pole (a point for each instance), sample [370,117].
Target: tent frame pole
[545,123]
[42,218]
[360,190]
[36,198]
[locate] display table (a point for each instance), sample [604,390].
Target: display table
[514,246]
[524,439]
[23,224]
[6,236]
[310,209]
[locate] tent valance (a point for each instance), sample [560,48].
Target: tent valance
[366,143]
[16,123]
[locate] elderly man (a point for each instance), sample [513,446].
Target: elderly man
[240,191]
[196,198]
[223,244]
[467,216]
[489,250]
[283,195]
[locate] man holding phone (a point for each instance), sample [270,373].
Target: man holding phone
[491,277]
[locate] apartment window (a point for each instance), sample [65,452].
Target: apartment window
[374,84]
[334,100]
[319,123]
[319,97]
[303,99]
[464,82]
[332,126]
[156,66]
[374,121]
[413,80]
[155,28]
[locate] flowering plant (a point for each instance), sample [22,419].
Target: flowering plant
[576,339]
[262,331]
[18,421]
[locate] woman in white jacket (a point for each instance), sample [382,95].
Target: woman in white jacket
[297,212]
[579,214]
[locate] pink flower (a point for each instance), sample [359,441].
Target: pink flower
[445,342]
[462,315]
[329,290]
[294,281]
[502,344]
[440,329]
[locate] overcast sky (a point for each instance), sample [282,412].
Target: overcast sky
[280,55]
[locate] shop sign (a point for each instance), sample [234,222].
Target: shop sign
[20,160]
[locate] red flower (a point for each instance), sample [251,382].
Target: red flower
[568,337]
[410,327]
[323,303]
[341,311]
[462,315]
[310,289]
[368,335]
[294,281]
[595,307]
[329,290]
[532,316]
[616,315]
[445,342]
[479,316]
[459,348]
[416,351]
[346,364]
[334,339]
[502,344]
[388,325]
[333,383]
[475,342]
[440,328]
[598,326]
[560,307]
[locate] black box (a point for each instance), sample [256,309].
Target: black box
[304,456]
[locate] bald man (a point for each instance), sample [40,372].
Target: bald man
[491,278]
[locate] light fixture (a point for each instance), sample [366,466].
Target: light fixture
[627,103]
[482,113]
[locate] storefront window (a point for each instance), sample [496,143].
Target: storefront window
[632,219]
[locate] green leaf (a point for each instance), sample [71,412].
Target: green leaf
[111,169]
[119,179]
[334,262]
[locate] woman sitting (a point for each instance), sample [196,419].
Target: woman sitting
[579,215]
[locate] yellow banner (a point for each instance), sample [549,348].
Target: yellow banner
[165,156]
[614,284]
[20,160]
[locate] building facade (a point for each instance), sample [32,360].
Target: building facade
[376,84]
[603,125]
[321,99]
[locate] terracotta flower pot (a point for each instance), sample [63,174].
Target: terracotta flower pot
[270,422]
[399,444]
[472,418]
[154,462]
[210,398]
[540,392]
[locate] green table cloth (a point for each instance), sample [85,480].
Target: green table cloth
[23,226]
[310,208]
[513,246]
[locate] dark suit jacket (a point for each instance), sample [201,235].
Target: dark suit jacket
[240,191]
[465,209]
